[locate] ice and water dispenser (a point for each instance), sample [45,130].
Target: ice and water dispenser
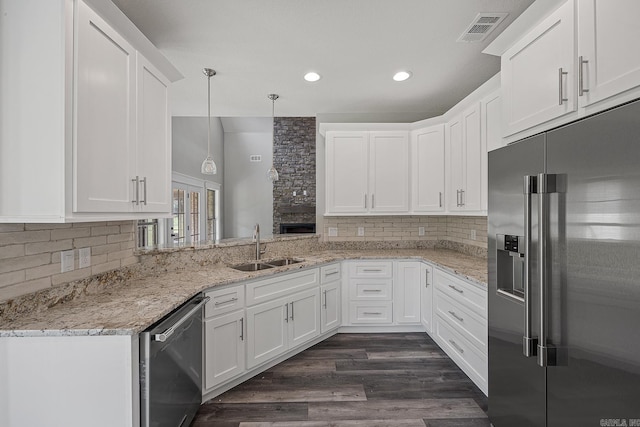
[510,266]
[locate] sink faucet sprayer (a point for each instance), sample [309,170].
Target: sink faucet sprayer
[256,238]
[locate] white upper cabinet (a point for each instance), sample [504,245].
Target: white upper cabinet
[97,142]
[367,172]
[389,171]
[105,116]
[538,73]
[466,151]
[153,142]
[428,171]
[347,171]
[608,63]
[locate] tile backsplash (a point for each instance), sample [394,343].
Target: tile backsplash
[30,253]
[452,229]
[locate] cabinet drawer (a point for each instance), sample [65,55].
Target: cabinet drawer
[370,312]
[224,301]
[364,269]
[468,358]
[468,323]
[461,291]
[330,273]
[281,285]
[370,289]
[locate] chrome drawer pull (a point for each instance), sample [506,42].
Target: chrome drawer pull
[331,273]
[456,346]
[375,270]
[372,290]
[456,289]
[371,313]
[242,329]
[217,303]
[456,316]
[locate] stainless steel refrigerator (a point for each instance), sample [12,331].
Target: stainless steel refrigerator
[564,275]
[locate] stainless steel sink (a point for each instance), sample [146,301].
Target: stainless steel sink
[283,261]
[252,266]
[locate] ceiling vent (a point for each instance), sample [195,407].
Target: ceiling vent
[481,26]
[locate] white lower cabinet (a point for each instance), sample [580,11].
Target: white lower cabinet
[460,324]
[330,313]
[277,326]
[224,348]
[426,297]
[406,301]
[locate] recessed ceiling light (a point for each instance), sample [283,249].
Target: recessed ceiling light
[312,76]
[401,76]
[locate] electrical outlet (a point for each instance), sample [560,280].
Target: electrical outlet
[420,231]
[360,231]
[473,235]
[67,259]
[333,232]
[84,257]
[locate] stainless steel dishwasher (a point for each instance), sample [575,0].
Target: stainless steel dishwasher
[171,367]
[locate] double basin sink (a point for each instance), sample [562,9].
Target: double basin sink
[265,265]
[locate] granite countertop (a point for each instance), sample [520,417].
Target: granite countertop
[129,308]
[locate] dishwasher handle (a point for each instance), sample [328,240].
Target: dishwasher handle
[170,330]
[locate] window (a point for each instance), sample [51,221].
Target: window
[147,233]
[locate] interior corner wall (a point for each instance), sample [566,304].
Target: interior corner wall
[189,147]
[248,194]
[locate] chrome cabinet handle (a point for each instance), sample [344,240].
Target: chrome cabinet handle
[561,97]
[217,303]
[456,289]
[426,279]
[286,315]
[242,329]
[461,197]
[458,198]
[144,191]
[331,273]
[453,313]
[372,290]
[529,342]
[456,346]
[373,201]
[291,312]
[365,200]
[372,270]
[325,300]
[372,313]
[581,89]
[136,181]
[169,331]
[440,198]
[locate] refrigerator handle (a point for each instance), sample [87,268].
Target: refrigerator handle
[546,185]
[529,342]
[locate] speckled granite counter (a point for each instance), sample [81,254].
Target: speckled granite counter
[131,306]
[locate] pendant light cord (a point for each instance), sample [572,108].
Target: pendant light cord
[209,115]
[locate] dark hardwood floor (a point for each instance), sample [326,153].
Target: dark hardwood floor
[372,380]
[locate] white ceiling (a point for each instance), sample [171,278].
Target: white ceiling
[266,46]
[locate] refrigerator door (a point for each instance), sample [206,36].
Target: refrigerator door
[516,383]
[594,305]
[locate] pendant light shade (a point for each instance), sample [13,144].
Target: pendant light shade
[208,165]
[272,173]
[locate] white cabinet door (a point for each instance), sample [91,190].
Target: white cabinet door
[456,164]
[224,356]
[331,303]
[267,331]
[473,152]
[389,171]
[347,171]
[104,117]
[153,143]
[608,33]
[535,88]
[406,294]
[426,297]
[491,113]
[304,317]
[427,156]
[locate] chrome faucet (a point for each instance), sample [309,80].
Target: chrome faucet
[256,238]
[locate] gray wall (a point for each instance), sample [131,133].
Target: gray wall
[189,147]
[247,193]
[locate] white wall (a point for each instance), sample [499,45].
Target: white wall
[189,146]
[248,195]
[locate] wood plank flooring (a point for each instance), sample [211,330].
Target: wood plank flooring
[355,380]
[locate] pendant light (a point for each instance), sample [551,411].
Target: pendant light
[272,173]
[208,165]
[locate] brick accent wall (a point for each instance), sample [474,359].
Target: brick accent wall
[294,156]
[30,253]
